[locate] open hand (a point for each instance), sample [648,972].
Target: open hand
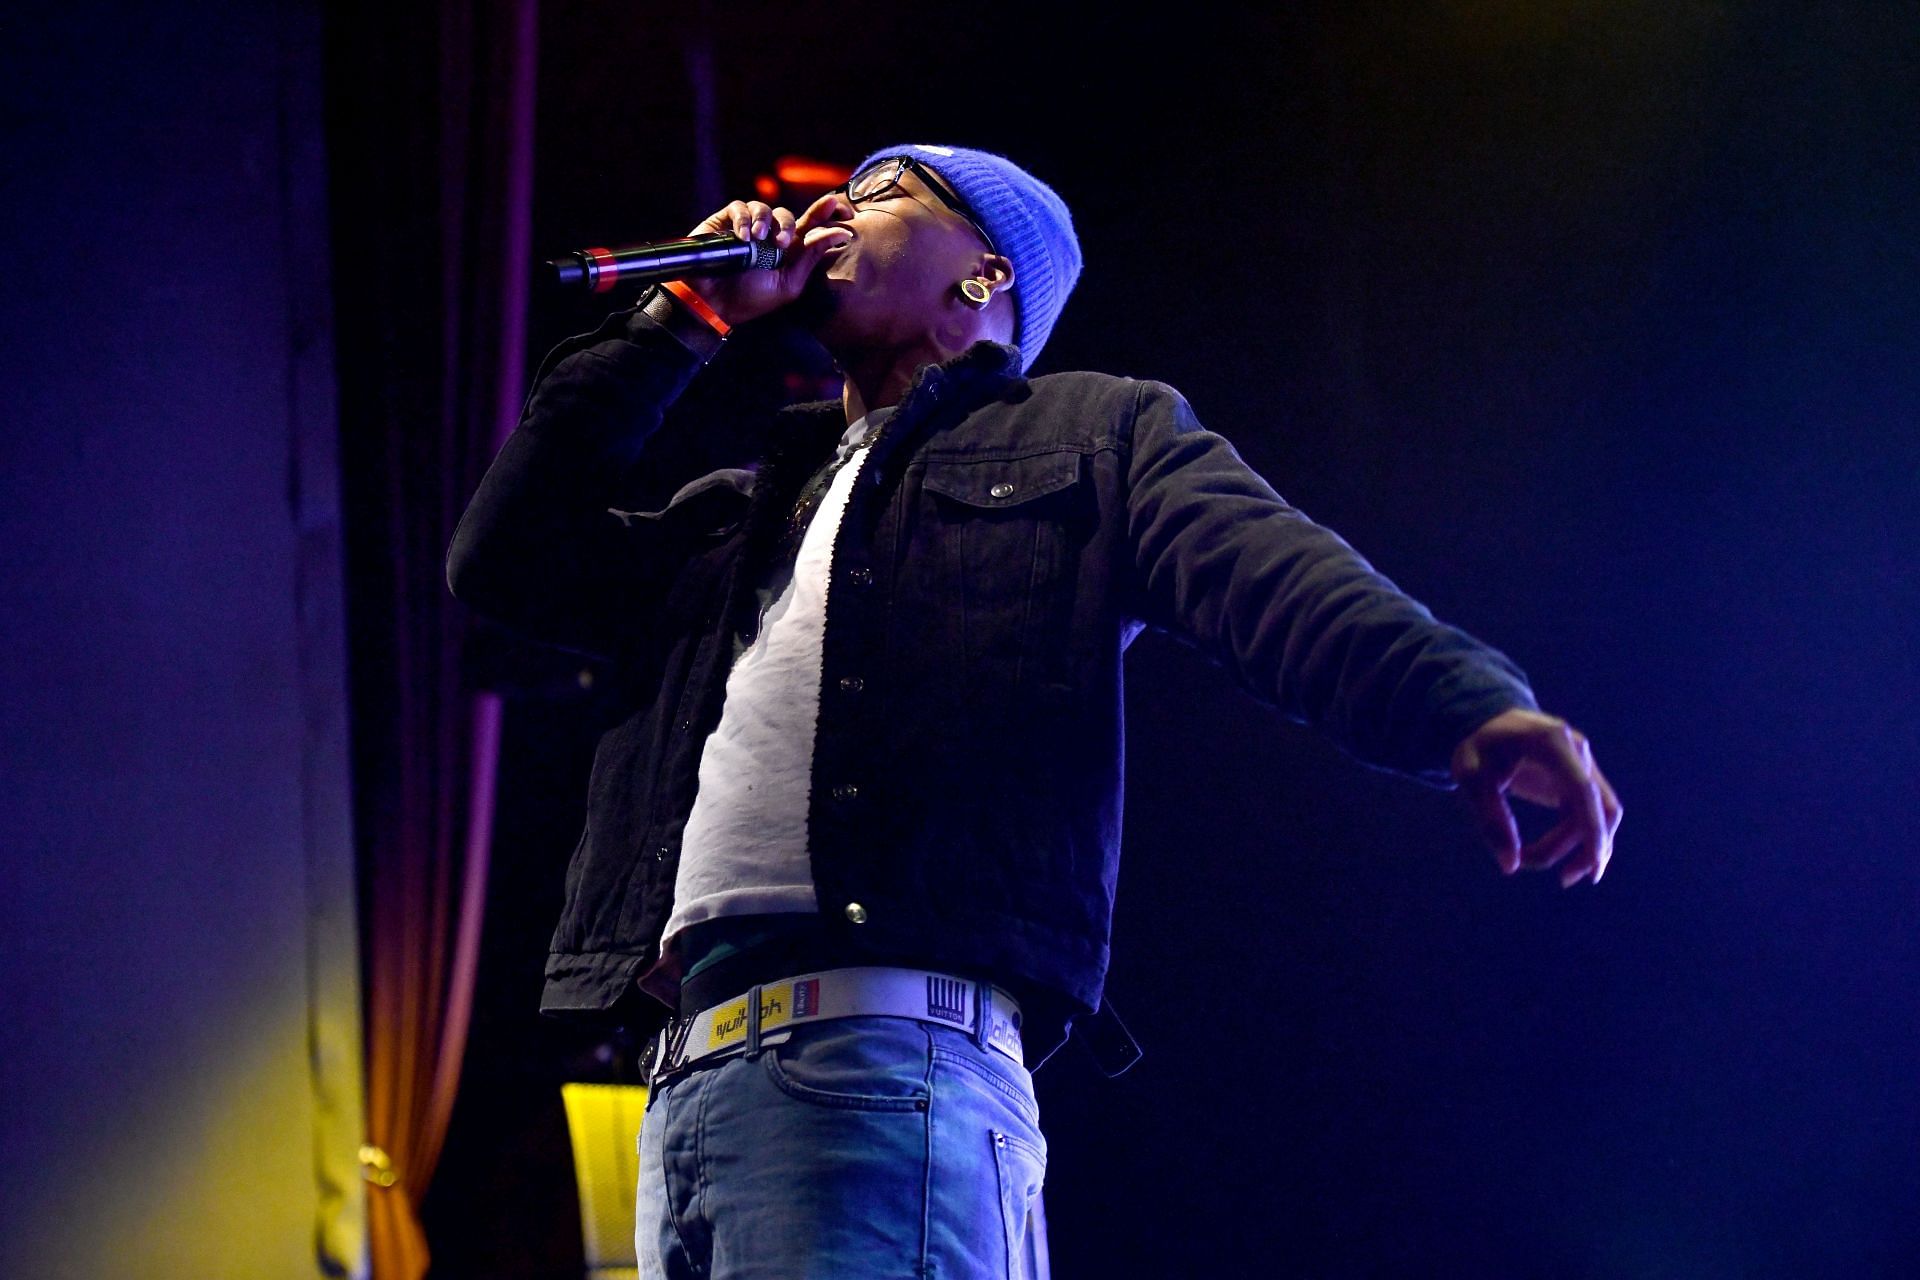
[1543,759]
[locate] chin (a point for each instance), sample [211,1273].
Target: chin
[817,307]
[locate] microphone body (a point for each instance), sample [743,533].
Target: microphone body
[598,270]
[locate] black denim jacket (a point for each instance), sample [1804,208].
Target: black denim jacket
[1007,539]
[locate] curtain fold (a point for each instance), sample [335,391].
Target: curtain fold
[431,143]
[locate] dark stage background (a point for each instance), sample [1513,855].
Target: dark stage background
[1593,327]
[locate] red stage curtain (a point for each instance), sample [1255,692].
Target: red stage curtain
[430,144]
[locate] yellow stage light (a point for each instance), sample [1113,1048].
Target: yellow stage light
[604,1122]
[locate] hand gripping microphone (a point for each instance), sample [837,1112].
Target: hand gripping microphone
[598,270]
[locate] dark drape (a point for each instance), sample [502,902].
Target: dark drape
[430,126]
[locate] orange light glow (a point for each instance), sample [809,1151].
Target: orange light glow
[798,171]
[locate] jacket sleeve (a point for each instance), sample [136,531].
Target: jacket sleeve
[1297,616]
[541,546]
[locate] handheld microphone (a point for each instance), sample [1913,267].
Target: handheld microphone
[598,270]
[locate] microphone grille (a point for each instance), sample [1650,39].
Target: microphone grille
[766,256]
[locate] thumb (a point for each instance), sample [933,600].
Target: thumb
[812,247]
[1483,785]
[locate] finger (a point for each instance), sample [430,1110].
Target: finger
[830,206]
[1610,804]
[1497,826]
[783,218]
[1483,787]
[1550,849]
[798,264]
[759,219]
[1581,797]
[740,219]
[1594,842]
[1593,859]
[814,245]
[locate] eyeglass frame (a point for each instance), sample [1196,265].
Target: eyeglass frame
[933,181]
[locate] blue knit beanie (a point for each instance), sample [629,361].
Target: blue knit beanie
[1028,223]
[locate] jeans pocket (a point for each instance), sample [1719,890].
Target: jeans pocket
[1023,1168]
[859,1064]
[1006,1077]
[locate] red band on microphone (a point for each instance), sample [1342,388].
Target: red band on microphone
[600,269]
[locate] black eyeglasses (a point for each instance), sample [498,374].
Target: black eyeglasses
[882,179]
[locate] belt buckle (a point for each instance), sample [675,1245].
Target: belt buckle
[666,1052]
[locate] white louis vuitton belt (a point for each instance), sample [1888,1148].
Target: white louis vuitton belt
[768,1013]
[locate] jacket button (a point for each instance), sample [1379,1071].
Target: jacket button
[846,791]
[861,577]
[852,684]
[856,913]
[1001,490]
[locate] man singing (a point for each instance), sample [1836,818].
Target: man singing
[858,827]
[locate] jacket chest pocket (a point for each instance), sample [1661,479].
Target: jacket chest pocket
[1001,484]
[1004,531]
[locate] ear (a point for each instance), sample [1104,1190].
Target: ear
[996,269]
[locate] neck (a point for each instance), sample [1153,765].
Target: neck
[875,379]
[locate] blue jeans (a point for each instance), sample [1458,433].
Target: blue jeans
[859,1147]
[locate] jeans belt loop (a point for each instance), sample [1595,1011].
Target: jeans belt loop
[982,1013]
[753,1020]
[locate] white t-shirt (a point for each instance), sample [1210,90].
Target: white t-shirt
[745,848]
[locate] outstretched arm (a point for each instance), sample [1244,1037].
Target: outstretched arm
[1302,621]
[1294,613]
